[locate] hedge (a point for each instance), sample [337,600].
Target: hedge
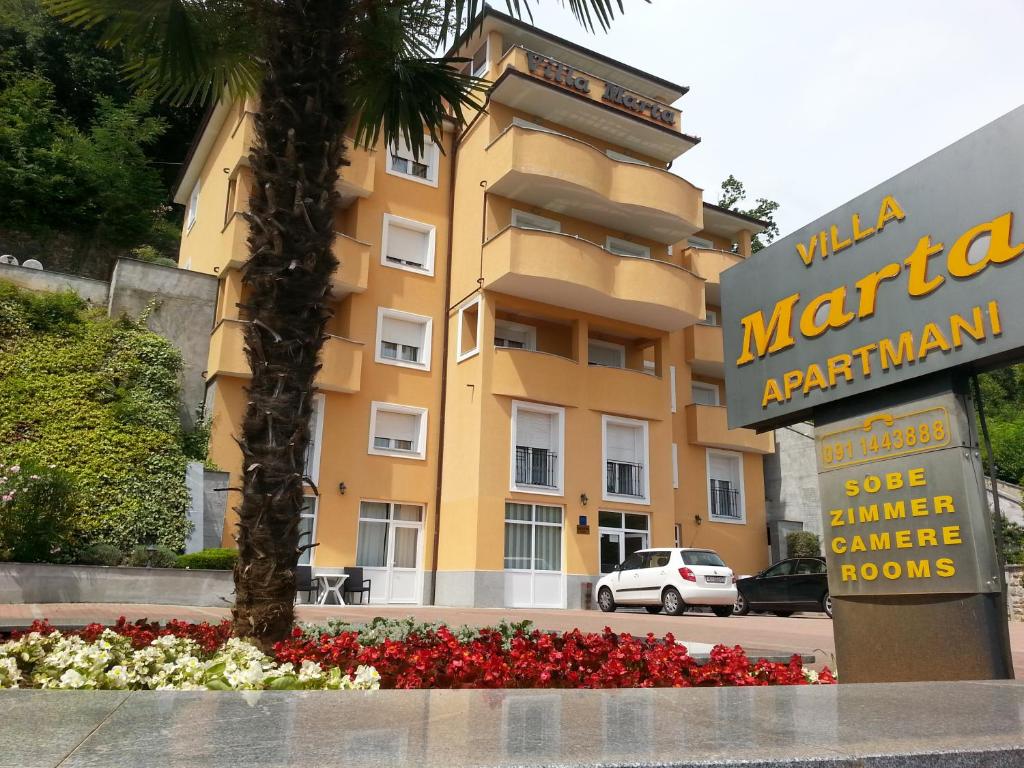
[209,559]
[98,399]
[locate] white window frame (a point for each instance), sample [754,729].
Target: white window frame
[559,414]
[675,466]
[521,219]
[644,428]
[316,437]
[477,302]
[708,453]
[430,158]
[425,348]
[312,534]
[672,386]
[193,208]
[611,243]
[420,451]
[710,318]
[707,388]
[529,330]
[487,59]
[621,348]
[429,229]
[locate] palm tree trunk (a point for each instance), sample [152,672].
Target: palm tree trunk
[295,163]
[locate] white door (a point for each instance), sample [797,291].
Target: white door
[403,572]
[533,556]
[390,551]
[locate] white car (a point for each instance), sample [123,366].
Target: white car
[672,579]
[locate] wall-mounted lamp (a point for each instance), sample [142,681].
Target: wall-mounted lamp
[342,488]
[697,519]
[584,499]
[227,170]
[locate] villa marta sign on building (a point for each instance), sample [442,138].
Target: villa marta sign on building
[923,273]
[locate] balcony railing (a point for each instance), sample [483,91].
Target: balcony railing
[536,466]
[725,501]
[625,479]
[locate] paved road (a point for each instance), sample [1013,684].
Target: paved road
[801,633]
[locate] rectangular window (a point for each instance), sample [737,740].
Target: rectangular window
[316,429]
[725,486]
[606,354]
[537,444]
[700,242]
[525,220]
[229,204]
[625,452]
[469,325]
[533,537]
[514,335]
[398,430]
[672,386]
[626,248]
[710,318]
[678,535]
[704,394]
[675,465]
[407,244]
[193,207]
[403,338]
[479,65]
[307,529]
[423,169]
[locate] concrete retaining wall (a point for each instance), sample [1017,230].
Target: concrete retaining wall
[93,291]
[44,583]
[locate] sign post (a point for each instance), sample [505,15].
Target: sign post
[868,322]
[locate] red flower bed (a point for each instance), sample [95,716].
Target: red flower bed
[541,660]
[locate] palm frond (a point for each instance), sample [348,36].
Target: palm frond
[459,14]
[181,50]
[397,86]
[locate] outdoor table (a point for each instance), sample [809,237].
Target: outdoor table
[332,584]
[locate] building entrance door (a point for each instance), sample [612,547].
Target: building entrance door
[389,550]
[622,534]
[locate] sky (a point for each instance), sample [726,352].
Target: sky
[812,102]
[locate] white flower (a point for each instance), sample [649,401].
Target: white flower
[72,678]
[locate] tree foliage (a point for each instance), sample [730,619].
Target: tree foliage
[803,544]
[1002,394]
[96,398]
[733,193]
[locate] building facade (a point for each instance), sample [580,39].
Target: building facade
[523,379]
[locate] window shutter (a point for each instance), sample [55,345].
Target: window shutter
[407,245]
[623,444]
[535,430]
[397,426]
[725,469]
[402,332]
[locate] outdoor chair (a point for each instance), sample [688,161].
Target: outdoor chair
[304,582]
[356,584]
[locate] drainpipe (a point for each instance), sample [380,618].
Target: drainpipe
[444,364]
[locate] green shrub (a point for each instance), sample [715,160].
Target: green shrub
[98,398]
[100,553]
[803,544]
[38,510]
[160,557]
[381,629]
[209,559]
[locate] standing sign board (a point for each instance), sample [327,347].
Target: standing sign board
[868,322]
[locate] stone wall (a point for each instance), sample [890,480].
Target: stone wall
[93,291]
[1015,592]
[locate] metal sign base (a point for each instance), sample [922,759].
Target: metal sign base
[915,580]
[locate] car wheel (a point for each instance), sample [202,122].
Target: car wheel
[672,602]
[722,611]
[742,607]
[653,608]
[783,614]
[826,604]
[605,601]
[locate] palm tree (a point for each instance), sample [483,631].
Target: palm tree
[317,66]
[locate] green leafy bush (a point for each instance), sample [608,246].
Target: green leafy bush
[160,557]
[803,544]
[100,553]
[97,398]
[209,559]
[38,510]
[381,629]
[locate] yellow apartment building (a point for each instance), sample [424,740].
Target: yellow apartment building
[523,378]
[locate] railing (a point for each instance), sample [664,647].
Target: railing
[625,479]
[536,466]
[725,500]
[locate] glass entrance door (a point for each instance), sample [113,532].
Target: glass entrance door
[403,579]
[388,550]
[622,534]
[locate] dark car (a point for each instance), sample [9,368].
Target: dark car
[797,584]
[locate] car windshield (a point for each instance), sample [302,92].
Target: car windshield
[702,558]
